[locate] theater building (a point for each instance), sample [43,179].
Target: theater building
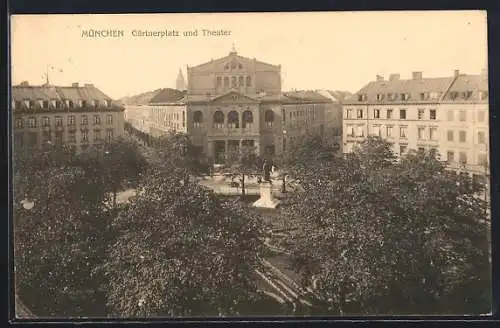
[235,101]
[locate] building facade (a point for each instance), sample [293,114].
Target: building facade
[449,115]
[77,116]
[138,117]
[235,101]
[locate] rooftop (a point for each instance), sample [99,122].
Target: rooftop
[418,88]
[75,92]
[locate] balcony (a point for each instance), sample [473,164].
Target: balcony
[59,127]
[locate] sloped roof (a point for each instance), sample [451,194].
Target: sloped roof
[75,93]
[397,86]
[307,95]
[470,82]
[167,95]
[233,56]
[140,99]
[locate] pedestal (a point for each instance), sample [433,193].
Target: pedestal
[266,199]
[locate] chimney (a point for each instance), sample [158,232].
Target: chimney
[88,85]
[394,77]
[457,73]
[24,84]
[75,85]
[417,75]
[380,78]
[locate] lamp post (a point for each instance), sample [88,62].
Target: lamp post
[283,175]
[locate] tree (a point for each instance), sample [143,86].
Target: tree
[182,251]
[241,163]
[59,242]
[385,236]
[176,152]
[116,165]
[303,155]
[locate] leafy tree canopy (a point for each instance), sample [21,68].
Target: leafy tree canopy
[385,236]
[183,252]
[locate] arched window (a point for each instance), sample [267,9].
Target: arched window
[233,119]
[218,119]
[247,119]
[249,81]
[269,118]
[233,65]
[226,67]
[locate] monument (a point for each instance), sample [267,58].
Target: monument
[266,199]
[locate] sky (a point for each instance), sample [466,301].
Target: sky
[321,50]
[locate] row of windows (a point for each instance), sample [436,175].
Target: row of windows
[402,96]
[358,131]
[422,114]
[31,122]
[462,136]
[233,117]
[422,96]
[236,81]
[172,115]
[59,104]
[360,113]
[32,137]
[482,158]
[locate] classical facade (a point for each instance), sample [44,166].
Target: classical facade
[77,116]
[235,101]
[448,114]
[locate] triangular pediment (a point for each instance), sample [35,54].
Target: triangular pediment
[234,97]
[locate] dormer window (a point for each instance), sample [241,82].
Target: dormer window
[454,95]
[226,67]
[380,96]
[483,95]
[53,103]
[96,103]
[45,104]
[391,96]
[106,103]
[362,97]
[405,96]
[83,103]
[436,95]
[467,94]
[18,104]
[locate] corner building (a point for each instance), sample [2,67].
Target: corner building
[448,114]
[75,116]
[235,101]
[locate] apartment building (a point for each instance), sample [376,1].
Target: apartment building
[77,116]
[447,114]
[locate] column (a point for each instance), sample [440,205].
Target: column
[256,144]
[225,148]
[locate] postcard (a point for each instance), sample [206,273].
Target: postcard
[250,165]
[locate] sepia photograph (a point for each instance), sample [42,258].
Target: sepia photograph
[250,165]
